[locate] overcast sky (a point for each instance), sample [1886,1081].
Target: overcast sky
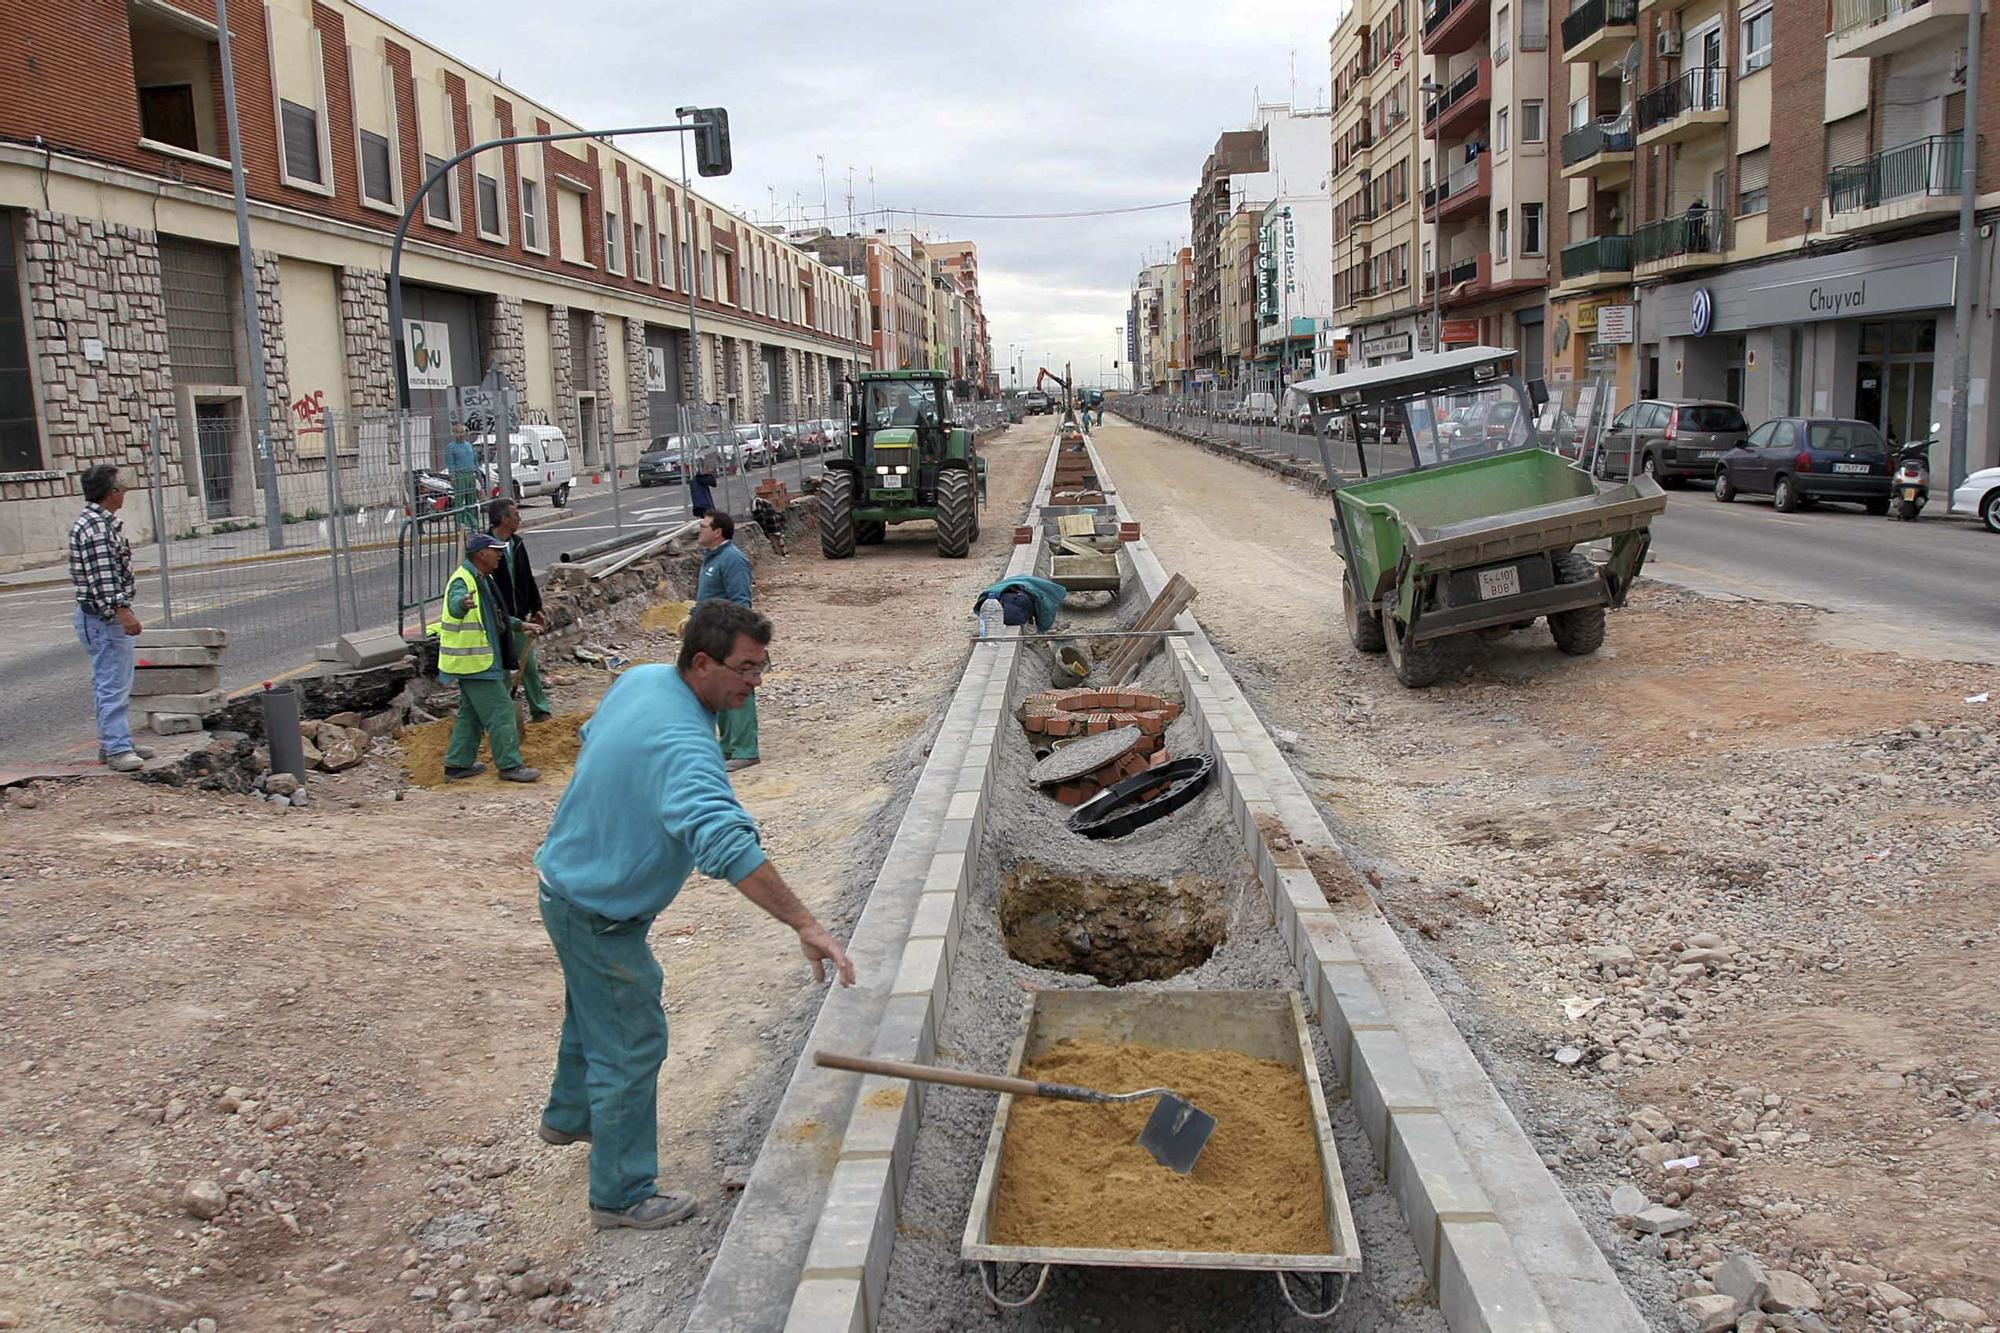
[1026,107]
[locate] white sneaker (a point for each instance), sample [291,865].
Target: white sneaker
[126,761]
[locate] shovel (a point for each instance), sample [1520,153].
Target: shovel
[1175,1133]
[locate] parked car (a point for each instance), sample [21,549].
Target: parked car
[1799,460]
[660,465]
[1675,439]
[1979,495]
[755,445]
[1257,409]
[834,432]
[541,464]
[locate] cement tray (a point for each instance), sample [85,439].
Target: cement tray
[1269,1025]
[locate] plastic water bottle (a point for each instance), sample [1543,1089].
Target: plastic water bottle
[990,617]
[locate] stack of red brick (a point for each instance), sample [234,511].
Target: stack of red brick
[1084,711]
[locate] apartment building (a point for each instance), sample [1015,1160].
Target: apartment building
[1788,216]
[1294,294]
[899,303]
[1238,158]
[960,259]
[1485,175]
[1150,329]
[1239,297]
[570,269]
[1375,182]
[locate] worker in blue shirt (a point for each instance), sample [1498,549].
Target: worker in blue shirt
[649,803]
[463,465]
[725,576]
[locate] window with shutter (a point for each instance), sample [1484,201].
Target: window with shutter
[1753,182]
[1954,113]
[1847,141]
[301,142]
[489,207]
[197,285]
[378,182]
[439,204]
[531,215]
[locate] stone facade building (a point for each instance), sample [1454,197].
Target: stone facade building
[571,273]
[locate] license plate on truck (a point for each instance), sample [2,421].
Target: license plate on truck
[1850,467]
[892,483]
[1499,583]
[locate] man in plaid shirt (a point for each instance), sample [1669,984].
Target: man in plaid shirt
[100,568]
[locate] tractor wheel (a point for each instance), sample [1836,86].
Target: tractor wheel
[1364,623]
[1578,632]
[957,512]
[871,532]
[836,515]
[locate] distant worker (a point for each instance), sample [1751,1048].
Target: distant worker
[475,648]
[725,577]
[649,803]
[100,574]
[701,483]
[521,599]
[463,465]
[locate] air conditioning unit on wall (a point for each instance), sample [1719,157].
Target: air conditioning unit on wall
[1667,42]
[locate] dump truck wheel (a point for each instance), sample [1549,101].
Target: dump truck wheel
[957,504]
[1364,624]
[1418,665]
[836,515]
[1578,632]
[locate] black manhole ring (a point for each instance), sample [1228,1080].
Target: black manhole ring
[1138,801]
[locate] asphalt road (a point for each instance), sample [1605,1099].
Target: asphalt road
[1931,587]
[276,612]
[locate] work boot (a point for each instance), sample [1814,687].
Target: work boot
[662,1210]
[461,774]
[143,751]
[557,1137]
[125,761]
[521,774]
[738,765]
[540,717]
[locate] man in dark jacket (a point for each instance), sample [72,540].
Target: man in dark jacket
[521,599]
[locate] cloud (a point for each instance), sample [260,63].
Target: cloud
[1029,107]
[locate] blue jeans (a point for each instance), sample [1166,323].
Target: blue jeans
[110,649]
[614,1040]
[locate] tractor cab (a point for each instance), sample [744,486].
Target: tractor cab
[906,460]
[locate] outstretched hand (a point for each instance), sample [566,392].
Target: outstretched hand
[820,948]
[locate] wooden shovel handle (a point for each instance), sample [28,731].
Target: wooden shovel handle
[958,1078]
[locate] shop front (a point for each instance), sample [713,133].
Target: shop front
[1386,341]
[1577,352]
[1868,333]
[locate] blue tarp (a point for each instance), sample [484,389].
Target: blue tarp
[1046,593]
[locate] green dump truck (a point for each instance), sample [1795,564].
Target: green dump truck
[904,461]
[1453,521]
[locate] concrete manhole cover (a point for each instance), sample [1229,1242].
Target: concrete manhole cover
[1086,754]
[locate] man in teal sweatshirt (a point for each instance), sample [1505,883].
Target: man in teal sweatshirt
[649,804]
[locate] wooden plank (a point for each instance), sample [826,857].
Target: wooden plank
[1173,599]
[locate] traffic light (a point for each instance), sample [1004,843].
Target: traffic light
[711,141]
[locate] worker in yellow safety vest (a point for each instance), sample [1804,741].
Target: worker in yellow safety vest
[476,649]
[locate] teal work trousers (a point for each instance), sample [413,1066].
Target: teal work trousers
[737,728]
[614,1040]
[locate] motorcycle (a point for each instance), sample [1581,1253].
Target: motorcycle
[1910,486]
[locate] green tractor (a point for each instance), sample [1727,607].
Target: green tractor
[904,460]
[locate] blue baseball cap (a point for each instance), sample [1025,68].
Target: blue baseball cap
[483,541]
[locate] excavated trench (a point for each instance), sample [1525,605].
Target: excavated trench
[1173,905]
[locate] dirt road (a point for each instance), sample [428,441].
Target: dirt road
[1721,892]
[336,1022]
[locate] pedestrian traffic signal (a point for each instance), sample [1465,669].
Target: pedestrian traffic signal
[711,141]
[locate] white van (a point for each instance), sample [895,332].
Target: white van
[541,463]
[1258,409]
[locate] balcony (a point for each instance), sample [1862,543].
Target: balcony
[1601,261]
[1452,26]
[1884,27]
[1466,280]
[1687,240]
[1464,194]
[1914,180]
[1463,106]
[1599,29]
[1601,150]
[1696,102]
[1663,7]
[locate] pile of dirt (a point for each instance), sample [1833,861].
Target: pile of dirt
[551,746]
[1073,1173]
[668,617]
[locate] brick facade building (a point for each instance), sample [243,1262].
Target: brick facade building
[571,272]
